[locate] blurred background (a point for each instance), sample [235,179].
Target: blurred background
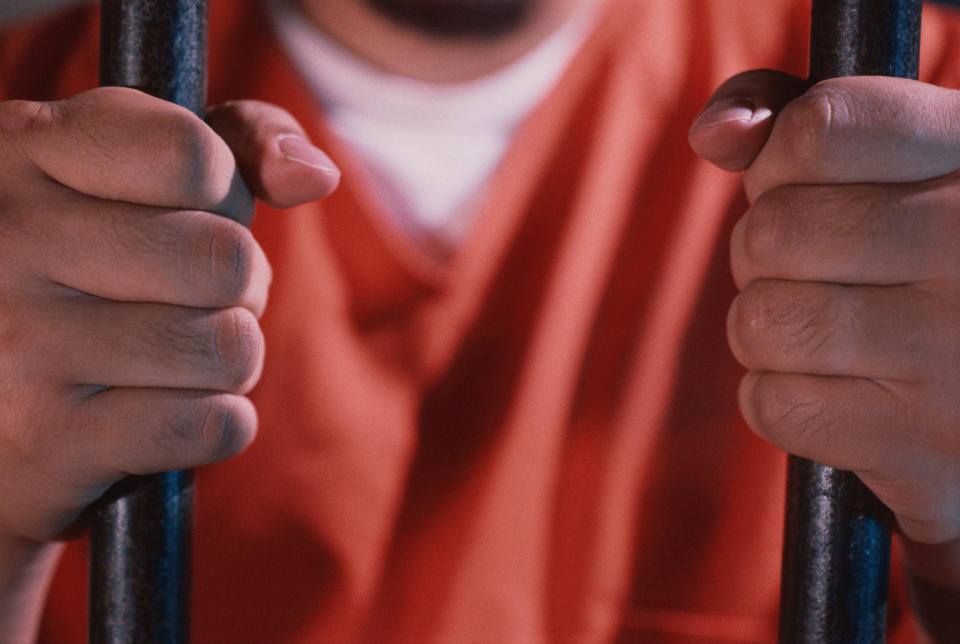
[13,10]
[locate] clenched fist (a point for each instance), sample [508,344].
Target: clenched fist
[848,263]
[129,297]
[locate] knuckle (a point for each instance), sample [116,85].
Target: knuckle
[786,218]
[159,238]
[219,429]
[810,321]
[230,253]
[794,322]
[205,430]
[809,120]
[741,325]
[859,214]
[225,347]
[195,153]
[770,226]
[239,348]
[19,119]
[787,411]
[180,341]
[24,116]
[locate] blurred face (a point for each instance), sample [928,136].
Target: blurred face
[439,40]
[456,18]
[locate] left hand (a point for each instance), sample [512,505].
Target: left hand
[848,261]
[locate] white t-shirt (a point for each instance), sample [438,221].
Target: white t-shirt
[429,146]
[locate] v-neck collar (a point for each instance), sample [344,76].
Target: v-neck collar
[391,276]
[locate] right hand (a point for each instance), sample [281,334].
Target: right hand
[128,309]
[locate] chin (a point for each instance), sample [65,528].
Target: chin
[486,19]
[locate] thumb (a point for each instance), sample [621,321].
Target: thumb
[278,163]
[736,121]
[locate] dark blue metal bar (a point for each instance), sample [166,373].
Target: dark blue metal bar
[140,533]
[836,557]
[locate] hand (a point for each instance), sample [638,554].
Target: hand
[128,310]
[848,262]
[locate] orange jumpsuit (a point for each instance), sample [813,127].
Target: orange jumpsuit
[535,440]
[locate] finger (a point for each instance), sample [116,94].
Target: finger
[893,333]
[862,425]
[736,121]
[150,345]
[848,423]
[861,129]
[144,254]
[277,161]
[123,145]
[123,431]
[852,234]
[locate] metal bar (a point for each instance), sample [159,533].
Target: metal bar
[140,534]
[836,557]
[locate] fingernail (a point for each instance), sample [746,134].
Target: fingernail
[725,110]
[295,148]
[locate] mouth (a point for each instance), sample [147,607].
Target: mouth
[451,19]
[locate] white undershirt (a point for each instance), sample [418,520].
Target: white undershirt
[430,147]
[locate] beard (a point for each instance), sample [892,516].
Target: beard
[484,19]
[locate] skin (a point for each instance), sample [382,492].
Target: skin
[363,28]
[847,317]
[845,321]
[131,334]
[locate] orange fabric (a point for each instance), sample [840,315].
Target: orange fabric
[536,441]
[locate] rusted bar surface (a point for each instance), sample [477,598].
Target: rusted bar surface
[140,534]
[836,556]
